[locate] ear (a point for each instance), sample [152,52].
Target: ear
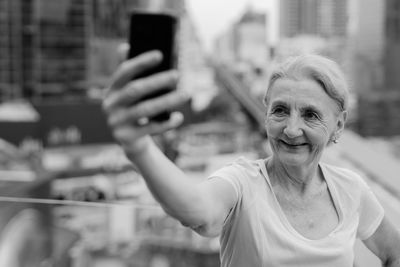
[341,121]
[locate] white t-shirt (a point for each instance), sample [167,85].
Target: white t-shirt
[257,232]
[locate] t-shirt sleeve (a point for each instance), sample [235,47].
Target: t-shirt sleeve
[370,213]
[229,173]
[239,174]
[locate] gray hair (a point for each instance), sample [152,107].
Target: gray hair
[324,71]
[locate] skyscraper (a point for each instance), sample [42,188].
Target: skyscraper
[327,18]
[392,57]
[379,110]
[43,47]
[251,44]
[366,44]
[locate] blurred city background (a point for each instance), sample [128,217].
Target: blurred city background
[68,195]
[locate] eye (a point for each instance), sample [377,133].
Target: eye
[311,115]
[279,110]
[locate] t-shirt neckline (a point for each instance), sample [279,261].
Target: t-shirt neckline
[282,215]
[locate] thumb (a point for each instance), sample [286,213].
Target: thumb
[122,52]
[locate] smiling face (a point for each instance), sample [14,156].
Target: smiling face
[301,121]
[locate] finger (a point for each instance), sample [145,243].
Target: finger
[122,51]
[125,134]
[132,67]
[149,108]
[138,89]
[176,119]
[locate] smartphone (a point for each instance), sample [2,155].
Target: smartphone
[154,31]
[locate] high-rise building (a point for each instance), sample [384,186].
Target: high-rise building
[43,47]
[379,109]
[246,41]
[10,48]
[224,46]
[46,46]
[196,76]
[392,55]
[251,44]
[327,18]
[366,44]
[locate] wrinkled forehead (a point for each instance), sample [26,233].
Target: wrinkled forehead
[300,93]
[320,70]
[291,87]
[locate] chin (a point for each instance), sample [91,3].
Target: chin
[294,159]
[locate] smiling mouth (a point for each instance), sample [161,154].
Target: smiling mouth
[293,145]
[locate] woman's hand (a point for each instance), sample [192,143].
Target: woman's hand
[128,116]
[203,207]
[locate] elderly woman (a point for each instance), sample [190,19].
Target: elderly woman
[286,210]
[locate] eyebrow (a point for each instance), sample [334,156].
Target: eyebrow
[279,103]
[308,106]
[312,107]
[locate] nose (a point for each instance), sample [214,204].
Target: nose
[293,127]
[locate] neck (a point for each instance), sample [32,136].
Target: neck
[301,179]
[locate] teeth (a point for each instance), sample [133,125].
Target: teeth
[294,144]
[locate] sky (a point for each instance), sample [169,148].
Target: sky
[212,17]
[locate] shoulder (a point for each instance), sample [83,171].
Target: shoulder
[349,185]
[239,167]
[343,176]
[243,173]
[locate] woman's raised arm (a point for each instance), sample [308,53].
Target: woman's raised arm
[201,206]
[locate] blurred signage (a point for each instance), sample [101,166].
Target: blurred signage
[67,123]
[61,124]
